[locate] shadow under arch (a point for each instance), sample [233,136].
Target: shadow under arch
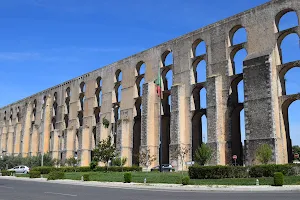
[197,131]
[235,110]
[287,101]
[137,130]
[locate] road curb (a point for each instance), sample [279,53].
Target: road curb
[164,187]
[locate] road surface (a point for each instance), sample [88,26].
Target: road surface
[26,190]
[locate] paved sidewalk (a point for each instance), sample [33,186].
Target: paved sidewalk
[169,187]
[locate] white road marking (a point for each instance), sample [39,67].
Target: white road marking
[71,195]
[1,186]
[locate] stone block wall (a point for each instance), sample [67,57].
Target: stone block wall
[263,105]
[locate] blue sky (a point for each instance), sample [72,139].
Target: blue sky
[46,42]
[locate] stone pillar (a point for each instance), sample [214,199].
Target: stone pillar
[179,134]
[150,131]
[106,112]
[69,140]
[124,135]
[55,144]
[17,140]
[1,140]
[85,145]
[215,121]
[46,125]
[260,118]
[4,139]
[10,140]
[34,142]
[26,131]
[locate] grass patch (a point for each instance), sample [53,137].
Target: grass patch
[288,180]
[171,178]
[22,175]
[175,178]
[137,177]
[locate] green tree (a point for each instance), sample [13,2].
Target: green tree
[119,162]
[145,158]
[30,161]
[203,154]
[264,153]
[72,161]
[181,153]
[105,151]
[296,149]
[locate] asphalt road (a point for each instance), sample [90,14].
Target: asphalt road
[25,190]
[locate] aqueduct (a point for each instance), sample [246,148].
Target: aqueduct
[199,85]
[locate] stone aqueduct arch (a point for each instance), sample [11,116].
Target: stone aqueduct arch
[66,120]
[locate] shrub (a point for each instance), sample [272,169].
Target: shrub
[185,180]
[54,175]
[203,154]
[119,162]
[86,177]
[127,177]
[264,153]
[35,174]
[278,179]
[93,165]
[32,161]
[43,170]
[6,173]
[269,170]
[217,172]
[118,169]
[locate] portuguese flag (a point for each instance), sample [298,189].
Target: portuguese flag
[158,84]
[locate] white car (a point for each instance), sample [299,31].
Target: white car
[20,169]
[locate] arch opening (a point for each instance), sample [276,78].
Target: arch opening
[99,82]
[137,129]
[142,82]
[199,119]
[199,48]
[237,120]
[202,98]
[238,35]
[290,112]
[292,82]
[167,58]
[97,115]
[286,20]
[76,144]
[289,48]
[119,93]
[141,68]
[117,115]
[199,130]
[238,61]
[168,80]
[200,72]
[119,75]
[82,87]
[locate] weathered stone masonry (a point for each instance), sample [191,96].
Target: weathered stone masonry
[67,120]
